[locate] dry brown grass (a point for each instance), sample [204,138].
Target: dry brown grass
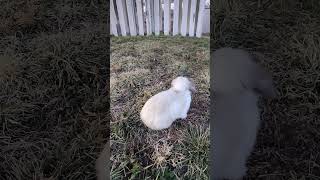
[140,68]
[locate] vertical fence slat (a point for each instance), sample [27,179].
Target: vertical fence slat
[126,14]
[149,17]
[185,14]
[167,8]
[113,19]
[200,18]
[131,18]
[161,16]
[122,17]
[140,17]
[180,16]
[192,17]
[157,17]
[152,15]
[176,17]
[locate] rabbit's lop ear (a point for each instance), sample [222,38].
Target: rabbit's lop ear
[173,82]
[263,83]
[192,86]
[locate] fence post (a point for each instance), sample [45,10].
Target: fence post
[200,18]
[193,16]
[157,17]
[152,15]
[161,16]
[176,17]
[131,18]
[167,7]
[148,17]
[185,14]
[140,17]
[122,17]
[113,19]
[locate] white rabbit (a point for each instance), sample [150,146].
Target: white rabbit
[162,109]
[237,83]
[103,172]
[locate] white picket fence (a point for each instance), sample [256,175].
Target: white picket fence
[147,17]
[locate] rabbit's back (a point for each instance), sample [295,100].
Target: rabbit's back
[239,110]
[103,172]
[234,132]
[237,82]
[159,111]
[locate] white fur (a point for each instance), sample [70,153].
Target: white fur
[162,109]
[103,173]
[236,125]
[238,82]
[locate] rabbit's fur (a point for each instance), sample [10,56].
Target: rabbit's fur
[162,109]
[237,83]
[103,172]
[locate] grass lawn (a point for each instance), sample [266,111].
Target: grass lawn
[53,88]
[141,67]
[287,33]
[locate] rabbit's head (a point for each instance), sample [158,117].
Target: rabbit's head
[182,84]
[235,70]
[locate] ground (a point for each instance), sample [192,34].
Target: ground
[285,35]
[53,88]
[141,67]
